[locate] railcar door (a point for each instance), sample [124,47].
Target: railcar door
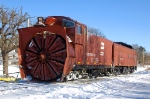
[80,44]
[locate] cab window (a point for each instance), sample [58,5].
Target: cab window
[79,29]
[67,23]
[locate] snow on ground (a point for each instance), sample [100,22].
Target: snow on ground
[131,86]
[13,70]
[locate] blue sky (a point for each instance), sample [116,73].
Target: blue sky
[120,20]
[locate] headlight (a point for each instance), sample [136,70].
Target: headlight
[40,20]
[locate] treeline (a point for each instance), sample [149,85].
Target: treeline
[143,55]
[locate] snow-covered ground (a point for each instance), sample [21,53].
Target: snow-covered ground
[13,70]
[131,86]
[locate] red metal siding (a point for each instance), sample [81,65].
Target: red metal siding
[135,58]
[123,56]
[80,45]
[99,51]
[79,54]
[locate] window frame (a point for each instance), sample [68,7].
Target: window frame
[68,21]
[78,25]
[85,30]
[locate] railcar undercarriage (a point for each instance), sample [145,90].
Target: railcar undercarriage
[80,72]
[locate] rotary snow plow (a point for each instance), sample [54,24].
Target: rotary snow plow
[44,51]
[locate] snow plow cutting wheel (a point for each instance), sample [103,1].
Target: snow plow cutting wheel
[45,56]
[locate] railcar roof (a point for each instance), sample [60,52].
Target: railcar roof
[68,18]
[124,44]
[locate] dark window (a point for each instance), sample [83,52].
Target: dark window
[79,29]
[67,23]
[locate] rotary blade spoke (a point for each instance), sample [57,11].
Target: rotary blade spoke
[45,56]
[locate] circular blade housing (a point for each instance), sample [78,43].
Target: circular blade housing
[45,56]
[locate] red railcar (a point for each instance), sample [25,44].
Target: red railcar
[60,47]
[99,51]
[124,57]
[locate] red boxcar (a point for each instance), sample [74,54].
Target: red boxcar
[124,56]
[99,51]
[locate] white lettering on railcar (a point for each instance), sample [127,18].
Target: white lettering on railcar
[102,45]
[94,60]
[121,58]
[102,53]
[90,54]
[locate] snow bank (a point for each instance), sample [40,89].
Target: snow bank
[13,70]
[131,86]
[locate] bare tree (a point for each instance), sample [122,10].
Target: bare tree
[143,55]
[10,21]
[96,32]
[136,47]
[147,58]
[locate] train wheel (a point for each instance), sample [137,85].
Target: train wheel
[76,75]
[107,73]
[45,56]
[70,76]
[90,75]
[132,69]
[117,71]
